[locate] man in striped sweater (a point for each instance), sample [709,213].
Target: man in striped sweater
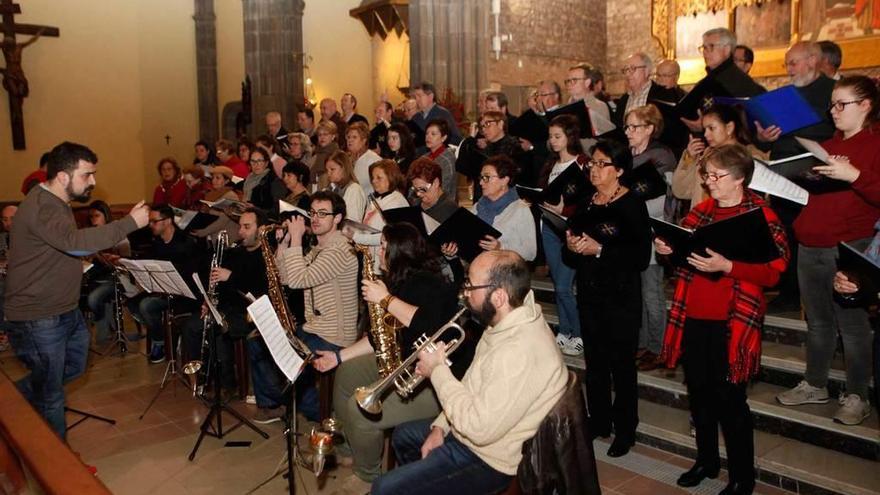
[328,275]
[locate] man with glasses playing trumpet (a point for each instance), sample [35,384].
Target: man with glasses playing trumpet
[416,298]
[516,377]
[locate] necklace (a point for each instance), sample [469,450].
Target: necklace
[610,198]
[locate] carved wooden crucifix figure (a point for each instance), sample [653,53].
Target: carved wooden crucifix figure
[14,81]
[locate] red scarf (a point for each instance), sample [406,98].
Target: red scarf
[747,308]
[439,151]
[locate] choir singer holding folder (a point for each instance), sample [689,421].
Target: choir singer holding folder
[715,323]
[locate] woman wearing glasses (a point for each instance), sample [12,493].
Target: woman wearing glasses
[501,208]
[722,124]
[414,292]
[847,214]
[611,238]
[258,186]
[715,323]
[425,176]
[643,127]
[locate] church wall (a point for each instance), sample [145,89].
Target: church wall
[230,56]
[120,77]
[390,68]
[629,31]
[548,37]
[341,54]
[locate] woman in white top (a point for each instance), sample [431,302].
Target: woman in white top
[340,172]
[501,207]
[357,138]
[388,186]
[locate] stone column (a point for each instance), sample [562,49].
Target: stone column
[273,53]
[206,69]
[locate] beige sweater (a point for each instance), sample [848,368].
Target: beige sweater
[329,275]
[515,379]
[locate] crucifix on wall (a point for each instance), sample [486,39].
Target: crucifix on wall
[14,81]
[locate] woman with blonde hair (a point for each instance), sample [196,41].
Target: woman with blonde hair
[327,133]
[340,173]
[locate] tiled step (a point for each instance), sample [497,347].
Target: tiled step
[781,364]
[809,423]
[782,462]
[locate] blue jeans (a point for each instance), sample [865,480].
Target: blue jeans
[563,281]
[148,310]
[102,304]
[450,468]
[268,385]
[54,349]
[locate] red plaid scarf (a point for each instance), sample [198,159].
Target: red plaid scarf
[746,312]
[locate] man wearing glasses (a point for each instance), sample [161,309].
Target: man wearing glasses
[328,276]
[640,90]
[581,86]
[169,244]
[717,50]
[516,377]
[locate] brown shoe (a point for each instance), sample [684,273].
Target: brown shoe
[640,353]
[648,362]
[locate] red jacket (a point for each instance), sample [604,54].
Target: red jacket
[171,194]
[239,167]
[850,214]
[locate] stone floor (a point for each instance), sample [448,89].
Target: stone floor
[149,455]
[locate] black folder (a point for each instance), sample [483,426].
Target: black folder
[580,111]
[571,186]
[408,214]
[604,224]
[466,230]
[700,97]
[859,269]
[799,169]
[530,126]
[534,195]
[745,237]
[557,223]
[675,134]
[645,182]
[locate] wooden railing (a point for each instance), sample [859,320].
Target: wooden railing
[30,449]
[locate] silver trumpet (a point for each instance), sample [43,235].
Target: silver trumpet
[404,377]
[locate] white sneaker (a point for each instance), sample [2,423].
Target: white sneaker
[562,340]
[853,410]
[804,393]
[574,347]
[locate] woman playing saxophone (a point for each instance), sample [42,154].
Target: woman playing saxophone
[415,291]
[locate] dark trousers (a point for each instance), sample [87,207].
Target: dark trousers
[714,400]
[197,348]
[610,321]
[450,468]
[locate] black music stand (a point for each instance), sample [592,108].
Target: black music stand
[160,277]
[86,416]
[218,405]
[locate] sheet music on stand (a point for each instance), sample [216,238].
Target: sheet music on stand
[213,309]
[267,322]
[157,276]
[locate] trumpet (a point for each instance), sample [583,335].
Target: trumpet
[404,377]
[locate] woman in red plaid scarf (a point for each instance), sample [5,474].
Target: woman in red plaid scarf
[715,323]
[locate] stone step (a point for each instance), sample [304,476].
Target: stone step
[781,462]
[809,423]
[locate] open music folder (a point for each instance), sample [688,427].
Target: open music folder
[783,107]
[859,269]
[745,237]
[466,230]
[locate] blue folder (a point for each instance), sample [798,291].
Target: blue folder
[783,107]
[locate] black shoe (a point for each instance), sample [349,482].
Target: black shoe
[596,434]
[695,475]
[738,488]
[620,447]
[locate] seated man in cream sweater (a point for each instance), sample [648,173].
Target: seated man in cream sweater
[516,378]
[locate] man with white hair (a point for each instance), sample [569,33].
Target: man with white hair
[640,90]
[276,129]
[717,49]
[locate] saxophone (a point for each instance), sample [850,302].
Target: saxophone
[277,296]
[383,326]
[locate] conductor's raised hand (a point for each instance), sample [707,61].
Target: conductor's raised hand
[141,214]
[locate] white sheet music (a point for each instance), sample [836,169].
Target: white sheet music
[269,325]
[284,207]
[430,224]
[766,181]
[211,307]
[158,276]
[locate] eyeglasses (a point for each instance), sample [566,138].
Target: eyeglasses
[840,105]
[487,178]
[599,163]
[256,161]
[488,123]
[632,68]
[632,127]
[467,286]
[708,47]
[712,176]
[320,213]
[421,190]
[572,80]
